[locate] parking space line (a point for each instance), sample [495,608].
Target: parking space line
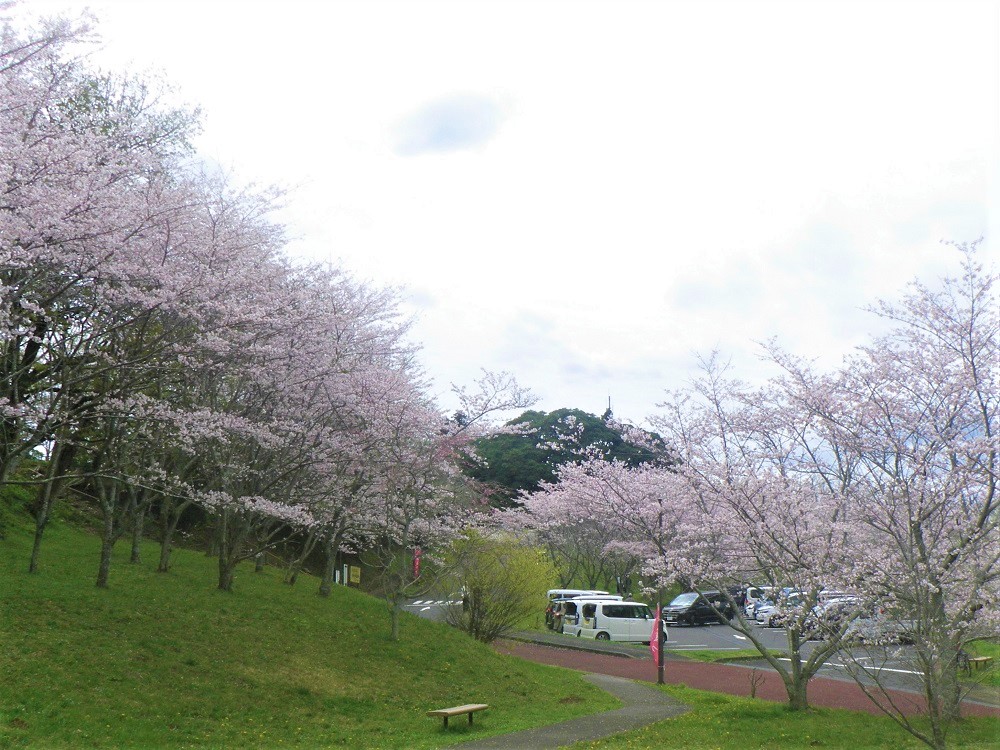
[877,669]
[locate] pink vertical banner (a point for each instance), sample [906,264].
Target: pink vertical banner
[416,562]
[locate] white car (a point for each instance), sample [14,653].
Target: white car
[775,614]
[763,610]
[755,595]
[608,620]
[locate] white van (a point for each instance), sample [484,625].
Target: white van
[616,620]
[571,610]
[553,613]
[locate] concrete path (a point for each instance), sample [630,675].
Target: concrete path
[643,705]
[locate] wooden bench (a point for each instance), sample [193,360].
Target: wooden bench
[979,662]
[469,708]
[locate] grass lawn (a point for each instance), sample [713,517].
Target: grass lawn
[160,661]
[986,647]
[723,721]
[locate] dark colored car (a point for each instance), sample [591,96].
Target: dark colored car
[693,608]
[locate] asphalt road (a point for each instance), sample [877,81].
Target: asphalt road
[431,609]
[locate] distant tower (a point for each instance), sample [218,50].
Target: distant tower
[608,414]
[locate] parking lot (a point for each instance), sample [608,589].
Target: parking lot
[892,664]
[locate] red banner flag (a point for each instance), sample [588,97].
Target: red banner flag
[654,638]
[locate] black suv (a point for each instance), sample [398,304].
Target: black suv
[693,608]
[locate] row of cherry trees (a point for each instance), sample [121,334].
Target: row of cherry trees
[159,351]
[878,478]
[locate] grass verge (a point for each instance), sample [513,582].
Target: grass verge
[722,656]
[723,721]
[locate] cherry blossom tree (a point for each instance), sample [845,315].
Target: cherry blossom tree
[914,417]
[420,498]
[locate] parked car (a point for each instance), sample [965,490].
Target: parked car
[828,616]
[880,626]
[572,610]
[615,620]
[557,596]
[775,614]
[693,608]
[753,595]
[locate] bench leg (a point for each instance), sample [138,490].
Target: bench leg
[470,718]
[445,722]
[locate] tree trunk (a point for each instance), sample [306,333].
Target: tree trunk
[59,464]
[163,565]
[329,566]
[138,524]
[227,573]
[36,548]
[212,548]
[232,536]
[796,681]
[170,518]
[796,689]
[107,546]
[296,565]
[167,528]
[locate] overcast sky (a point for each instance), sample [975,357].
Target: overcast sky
[589,194]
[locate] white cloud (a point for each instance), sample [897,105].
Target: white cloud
[636,181]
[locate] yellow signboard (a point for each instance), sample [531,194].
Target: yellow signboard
[355,576]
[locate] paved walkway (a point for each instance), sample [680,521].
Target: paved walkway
[727,678]
[643,705]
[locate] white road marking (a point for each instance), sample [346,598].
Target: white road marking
[879,669]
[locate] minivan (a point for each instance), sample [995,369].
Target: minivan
[616,620]
[553,619]
[571,611]
[693,608]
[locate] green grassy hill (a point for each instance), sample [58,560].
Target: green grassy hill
[168,661]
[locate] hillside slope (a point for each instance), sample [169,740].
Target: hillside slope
[168,661]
